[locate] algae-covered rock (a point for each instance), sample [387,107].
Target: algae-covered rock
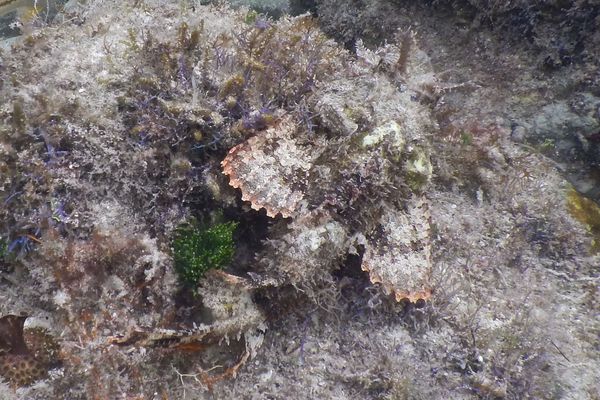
[105,165]
[374,254]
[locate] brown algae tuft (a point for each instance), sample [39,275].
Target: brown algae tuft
[587,212]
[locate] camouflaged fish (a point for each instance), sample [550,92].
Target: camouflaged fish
[356,183]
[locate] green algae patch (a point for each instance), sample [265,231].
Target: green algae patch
[418,170]
[587,212]
[197,250]
[3,250]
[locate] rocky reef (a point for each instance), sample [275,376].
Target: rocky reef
[201,202]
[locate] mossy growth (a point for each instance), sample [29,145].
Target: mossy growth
[18,117]
[466,138]
[3,249]
[250,17]
[6,257]
[587,212]
[197,250]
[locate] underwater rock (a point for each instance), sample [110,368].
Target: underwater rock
[118,127]
[332,150]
